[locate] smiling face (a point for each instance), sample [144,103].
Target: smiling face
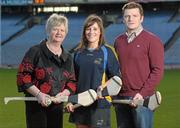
[92,34]
[56,28]
[57,34]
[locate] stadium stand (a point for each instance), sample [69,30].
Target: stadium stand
[21,31]
[10,26]
[172,55]
[157,23]
[14,50]
[74,32]
[112,31]
[16,2]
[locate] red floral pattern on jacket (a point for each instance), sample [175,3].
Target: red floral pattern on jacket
[45,87]
[46,71]
[39,73]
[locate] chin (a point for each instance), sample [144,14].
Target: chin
[57,41]
[132,28]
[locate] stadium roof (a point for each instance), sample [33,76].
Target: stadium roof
[46,2]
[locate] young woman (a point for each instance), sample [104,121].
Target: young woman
[94,63]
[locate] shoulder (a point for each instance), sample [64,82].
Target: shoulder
[66,52]
[120,36]
[110,49]
[76,54]
[152,39]
[78,51]
[32,55]
[38,47]
[66,55]
[33,50]
[151,36]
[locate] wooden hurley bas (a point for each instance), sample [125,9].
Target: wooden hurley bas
[85,98]
[110,88]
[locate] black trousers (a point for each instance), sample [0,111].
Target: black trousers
[44,117]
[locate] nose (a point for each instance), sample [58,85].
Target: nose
[130,18]
[58,31]
[91,30]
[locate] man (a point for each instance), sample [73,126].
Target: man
[140,55]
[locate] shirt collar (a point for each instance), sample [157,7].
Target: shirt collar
[131,36]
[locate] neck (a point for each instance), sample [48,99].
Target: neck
[136,31]
[93,45]
[54,48]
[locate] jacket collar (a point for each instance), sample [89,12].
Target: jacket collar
[48,53]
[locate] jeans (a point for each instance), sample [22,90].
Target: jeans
[130,117]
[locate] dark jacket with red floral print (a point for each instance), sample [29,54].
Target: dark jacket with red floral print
[50,73]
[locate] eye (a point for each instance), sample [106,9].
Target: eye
[126,16]
[54,29]
[95,29]
[88,29]
[62,30]
[135,15]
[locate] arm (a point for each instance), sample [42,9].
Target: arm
[71,79]
[113,67]
[156,59]
[25,79]
[26,70]
[70,83]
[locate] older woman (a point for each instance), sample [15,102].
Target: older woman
[94,61]
[47,70]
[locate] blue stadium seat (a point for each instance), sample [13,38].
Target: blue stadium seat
[172,55]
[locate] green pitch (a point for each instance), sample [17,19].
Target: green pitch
[166,116]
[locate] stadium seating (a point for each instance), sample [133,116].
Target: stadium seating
[172,55]
[10,26]
[14,50]
[16,2]
[112,31]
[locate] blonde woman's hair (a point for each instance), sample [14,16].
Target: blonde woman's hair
[90,20]
[56,20]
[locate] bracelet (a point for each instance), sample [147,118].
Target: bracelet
[38,93]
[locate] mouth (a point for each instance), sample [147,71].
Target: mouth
[58,36]
[130,23]
[91,35]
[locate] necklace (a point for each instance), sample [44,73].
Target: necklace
[54,49]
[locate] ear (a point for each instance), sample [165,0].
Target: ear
[142,19]
[123,20]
